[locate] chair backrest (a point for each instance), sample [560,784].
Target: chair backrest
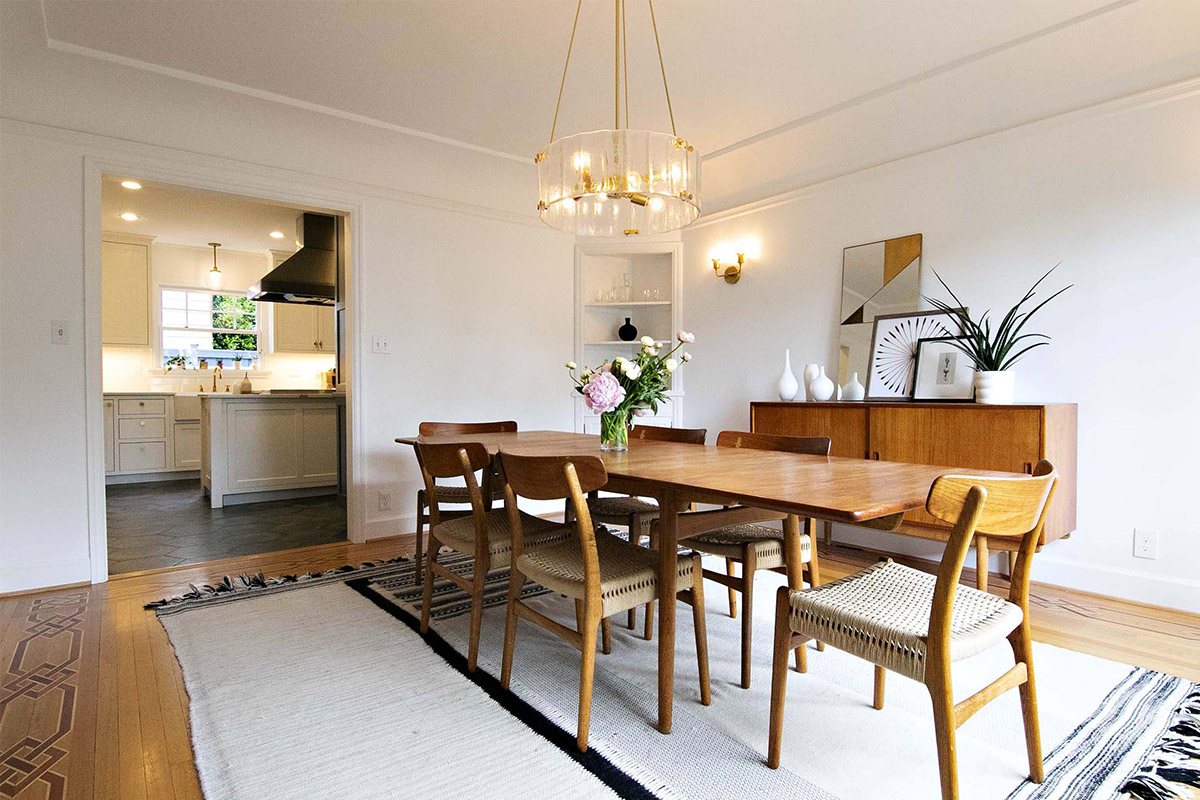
[452,428]
[804,445]
[556,478]
[452,460]
[1005,508]
[656,433]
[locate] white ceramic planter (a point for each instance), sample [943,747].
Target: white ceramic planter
[995,388]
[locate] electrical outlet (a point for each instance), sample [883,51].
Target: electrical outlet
[1145,544]
[380,345]
[58,331]
[385,500]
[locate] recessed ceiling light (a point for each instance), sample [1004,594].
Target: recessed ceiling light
[276,234]
[131,184]
[129,216]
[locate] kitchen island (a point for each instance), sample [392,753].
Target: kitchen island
[276,446]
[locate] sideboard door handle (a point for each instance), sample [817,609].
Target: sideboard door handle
[875,455]
[1028,468]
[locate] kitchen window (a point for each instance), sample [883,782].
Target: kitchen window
[210,325]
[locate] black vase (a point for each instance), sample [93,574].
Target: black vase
[627,332]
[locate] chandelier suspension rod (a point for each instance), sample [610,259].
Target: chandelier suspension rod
[617,65]
[567,63]
[662,67]
[625,57]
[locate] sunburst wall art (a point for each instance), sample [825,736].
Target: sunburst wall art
[894,350]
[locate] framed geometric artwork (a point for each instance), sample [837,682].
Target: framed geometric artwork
[943,372]
[891,372]
[881,277]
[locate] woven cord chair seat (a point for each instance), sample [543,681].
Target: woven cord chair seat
[881,614]
[460,494]
[629,574]
[620,507]
[459,534]
[731,540]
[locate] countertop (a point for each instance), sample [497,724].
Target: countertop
[140,394]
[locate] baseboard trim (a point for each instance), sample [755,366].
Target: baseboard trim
[152,477]
[38,575]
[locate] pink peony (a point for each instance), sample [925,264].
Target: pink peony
[603,393]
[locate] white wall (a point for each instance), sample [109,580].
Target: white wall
[474,295]
[1117,200]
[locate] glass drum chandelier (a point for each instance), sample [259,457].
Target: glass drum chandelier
[620,181]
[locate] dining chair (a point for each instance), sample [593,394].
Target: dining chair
[636,514]
[602,573]
[484,533]
[453,495]
[909,621]
[758,547]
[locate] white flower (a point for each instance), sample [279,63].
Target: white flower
[686,356]
[618,361]
[685,337]
[631,370]
[647,341]
[671,364]
[570,365]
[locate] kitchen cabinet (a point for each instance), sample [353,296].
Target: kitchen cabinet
[125,289]
[187,445]
[300,328]
[110,437]
[262,448]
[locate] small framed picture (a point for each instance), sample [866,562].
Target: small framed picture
[943,372]
[891,374]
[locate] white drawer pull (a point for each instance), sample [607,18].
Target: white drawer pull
[143,424]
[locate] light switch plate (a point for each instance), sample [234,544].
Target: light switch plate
[58,331]
[380,345]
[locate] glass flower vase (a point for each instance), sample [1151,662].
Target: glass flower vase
[614,431]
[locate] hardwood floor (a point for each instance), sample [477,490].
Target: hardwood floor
[169,524]
[93,704]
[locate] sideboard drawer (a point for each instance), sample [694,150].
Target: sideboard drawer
[134,428]
[137,457]
[142,405]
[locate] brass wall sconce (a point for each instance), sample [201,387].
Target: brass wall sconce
[732,273]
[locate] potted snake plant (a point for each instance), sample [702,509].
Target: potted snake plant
[995,351]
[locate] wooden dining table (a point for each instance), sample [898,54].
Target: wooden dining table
[761,484]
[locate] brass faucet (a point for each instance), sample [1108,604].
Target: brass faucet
[216,374]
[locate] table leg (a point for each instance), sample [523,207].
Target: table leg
[981,563]
[668,543]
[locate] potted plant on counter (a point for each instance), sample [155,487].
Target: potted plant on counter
[995,351]
[627,387]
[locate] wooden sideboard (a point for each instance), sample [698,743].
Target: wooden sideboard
[969,435]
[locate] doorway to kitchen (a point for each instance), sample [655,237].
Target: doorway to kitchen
[224,374]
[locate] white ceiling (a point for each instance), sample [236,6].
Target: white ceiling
[179,215]
[741,73]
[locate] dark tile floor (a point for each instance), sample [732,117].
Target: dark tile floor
[168,523]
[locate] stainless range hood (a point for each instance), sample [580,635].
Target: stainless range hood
[310,275]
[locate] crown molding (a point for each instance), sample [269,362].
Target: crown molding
[101,145]
[1137,101]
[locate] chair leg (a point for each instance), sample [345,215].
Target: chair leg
[698,622]
[749,565]
[515,581]
[648,631]
[1023,651]
[427,599]
[606,636]
[943,726]
[779,669]
[420,537]
[880,678]
[732,592]
[814,565]
[635,537]
[587,672]
[476,614]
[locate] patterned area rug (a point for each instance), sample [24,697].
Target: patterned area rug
[1109,730]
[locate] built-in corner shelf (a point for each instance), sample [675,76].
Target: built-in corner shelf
[620,341]
[630,304]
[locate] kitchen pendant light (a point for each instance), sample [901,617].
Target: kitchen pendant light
[618,181]
[215,278]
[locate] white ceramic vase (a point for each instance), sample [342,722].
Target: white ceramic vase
[821,389]
[995,388]
[789,387]
[854,391]
[811,371]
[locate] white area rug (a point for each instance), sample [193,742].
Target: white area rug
[321,693]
